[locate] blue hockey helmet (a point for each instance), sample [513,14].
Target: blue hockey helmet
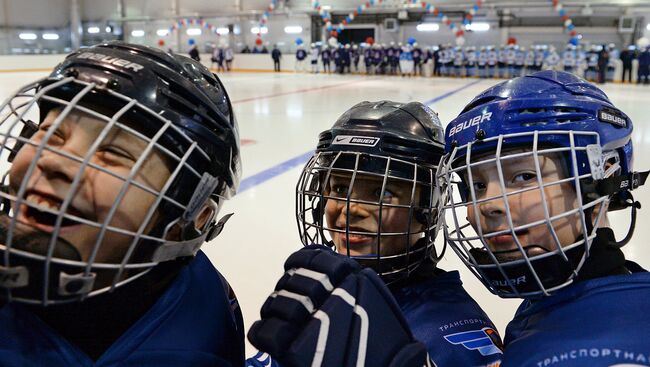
[545,114]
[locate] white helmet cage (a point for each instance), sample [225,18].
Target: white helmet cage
[420,205]
[40,267]
[524,276]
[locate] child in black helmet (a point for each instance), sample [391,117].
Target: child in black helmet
[368,193]
[109,196]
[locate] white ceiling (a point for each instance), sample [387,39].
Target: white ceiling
[56,13]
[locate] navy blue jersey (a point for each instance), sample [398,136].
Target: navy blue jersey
[301,54]
[195,322]
[449,322]
[598,322]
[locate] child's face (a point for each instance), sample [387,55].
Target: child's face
[364,217]
[526,207]
[97,192]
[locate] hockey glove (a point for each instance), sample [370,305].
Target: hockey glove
[327,311]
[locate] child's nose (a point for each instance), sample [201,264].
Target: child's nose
[55,165]
[495,205]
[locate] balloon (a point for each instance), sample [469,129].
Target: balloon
[334,34]
[299,41]
[460,41]
[333,42]
[258,41]
[643,42]
[161,43]
[512,41]
[574,41]
[191,41]
[370,40]
[411,40]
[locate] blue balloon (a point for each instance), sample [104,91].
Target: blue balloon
[411,40]
[562,12]
[299,41]
[574,41]
[191,41]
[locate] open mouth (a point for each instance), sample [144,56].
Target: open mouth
[42,211]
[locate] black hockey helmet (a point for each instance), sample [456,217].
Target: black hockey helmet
[172,103]
[392,143]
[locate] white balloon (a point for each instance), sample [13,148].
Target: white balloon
[643,42]
[460,41]
[332,41]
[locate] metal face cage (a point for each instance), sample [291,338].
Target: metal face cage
[39,263]
[520,270]
[379,210]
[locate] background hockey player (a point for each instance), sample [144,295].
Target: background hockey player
[591,73]
[314,54]
[326,57]
[367,194]
[569,59]
[346,59]
[492,62]
[458,61]
[503,61]
[627,56]
[114,181]
[276,55]
[406,63]
[482,62]
[533,224]
[603,64]
[301,55]
[355,54]
[614,56]
[418,60]
[552,60]
[471,61]
[392,55]
[217,58]
[228,56]
[367,59]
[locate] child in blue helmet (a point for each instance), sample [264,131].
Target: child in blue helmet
[533,165]
[368,193]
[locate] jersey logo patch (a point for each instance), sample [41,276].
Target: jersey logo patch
[486,341]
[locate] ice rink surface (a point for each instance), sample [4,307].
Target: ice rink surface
[280,117]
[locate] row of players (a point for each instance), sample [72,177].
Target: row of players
[111,194]
[484,61]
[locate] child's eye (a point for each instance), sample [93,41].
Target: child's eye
[116,153]
[56,139]
[340,190]
[479,186]
[387,197]
[524,177]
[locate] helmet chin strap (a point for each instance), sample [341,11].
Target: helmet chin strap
[619,188]
[630,202]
